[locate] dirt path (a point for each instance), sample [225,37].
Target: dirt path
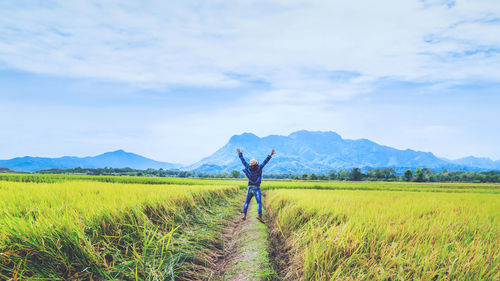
[245,250]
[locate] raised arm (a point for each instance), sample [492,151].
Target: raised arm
[240,154]
[267,159]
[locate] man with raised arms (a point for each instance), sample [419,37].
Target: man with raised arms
[254,175]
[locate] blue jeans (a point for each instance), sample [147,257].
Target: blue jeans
[253,191]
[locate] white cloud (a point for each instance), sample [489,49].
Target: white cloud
[188,42]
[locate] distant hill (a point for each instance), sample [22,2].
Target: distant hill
[7,170]
[320,152]
[299,152]
[115,159]
[479,162]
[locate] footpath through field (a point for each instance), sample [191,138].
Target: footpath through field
[245,250]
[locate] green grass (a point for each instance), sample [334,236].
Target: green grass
[253,244]
[92,230]
[493,188]
[382,235]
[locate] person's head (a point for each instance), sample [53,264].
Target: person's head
[254,162]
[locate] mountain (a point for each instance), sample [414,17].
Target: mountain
[299,152]
[319,152]
[115,159]
[478,162]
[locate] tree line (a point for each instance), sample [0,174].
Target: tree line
[355,174]
[389,174]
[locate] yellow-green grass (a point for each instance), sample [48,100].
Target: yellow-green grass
[52,178]
[127,228]
[94,230]
[456,187]
[386,235]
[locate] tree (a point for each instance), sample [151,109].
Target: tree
[332,175]
[161,173]
[419,176]
[313,177]
[343,175]
[184,174]
[428,172]
[408,175]
[235,174]
[322,177]
[356,174]
[374,173]
[389,173]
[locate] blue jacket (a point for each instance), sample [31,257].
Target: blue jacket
[253,173]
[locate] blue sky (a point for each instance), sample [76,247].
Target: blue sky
[173,80]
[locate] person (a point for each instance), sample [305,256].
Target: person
[254,175]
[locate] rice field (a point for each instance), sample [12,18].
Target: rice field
[458,187]
[387,235]
[90,230]
[76,227]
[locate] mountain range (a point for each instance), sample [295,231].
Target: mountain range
[115,159]
[300,152]
[320,152]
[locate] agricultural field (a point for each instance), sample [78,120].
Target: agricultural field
[72,227]
[90,230]
[267,184]
[387,235]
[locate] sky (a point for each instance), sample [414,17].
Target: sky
[174,80]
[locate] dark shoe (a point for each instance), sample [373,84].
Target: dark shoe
[244,217]
[259,217]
